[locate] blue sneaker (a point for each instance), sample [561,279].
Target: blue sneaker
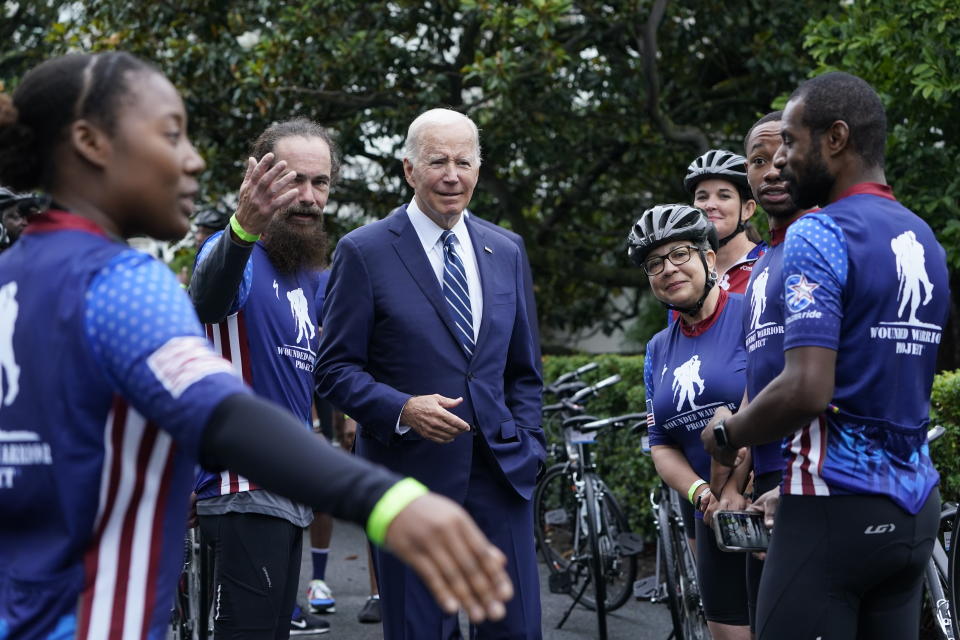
[320,597]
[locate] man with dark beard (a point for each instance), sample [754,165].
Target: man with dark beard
[858,507]
[258,288]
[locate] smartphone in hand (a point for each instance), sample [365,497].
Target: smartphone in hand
[740,531]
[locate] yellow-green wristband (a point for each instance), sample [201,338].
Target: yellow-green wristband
[389,505]
[242,233]
[693,488]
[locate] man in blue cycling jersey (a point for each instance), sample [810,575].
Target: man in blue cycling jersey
[866,296]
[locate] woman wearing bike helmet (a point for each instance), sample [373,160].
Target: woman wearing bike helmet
[691,368]
[717,182]
[111,394]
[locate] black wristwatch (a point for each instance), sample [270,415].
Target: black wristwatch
[720,435]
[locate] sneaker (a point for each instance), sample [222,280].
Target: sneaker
[320,597]
[304,624]
[371,611]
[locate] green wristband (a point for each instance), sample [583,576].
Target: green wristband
[693,488]
[389,505]
[242,233]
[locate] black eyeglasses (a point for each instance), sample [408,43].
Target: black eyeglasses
[677,257]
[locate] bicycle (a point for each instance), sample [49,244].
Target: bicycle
[675,579]
[939,578]
[187,620]
[579,525]
[953,566]
[562,389]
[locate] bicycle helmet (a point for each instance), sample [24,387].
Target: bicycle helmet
[725,165]
[212,219]
[670,222]
[718,163]
[10,198]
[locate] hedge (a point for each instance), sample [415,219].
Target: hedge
[630,473]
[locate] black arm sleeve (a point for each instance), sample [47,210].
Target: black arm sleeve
[216,280]
[261,441]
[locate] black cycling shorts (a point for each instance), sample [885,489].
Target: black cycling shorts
[723,583]
[256,574]
[845,568]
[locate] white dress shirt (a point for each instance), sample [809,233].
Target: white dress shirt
[429,233]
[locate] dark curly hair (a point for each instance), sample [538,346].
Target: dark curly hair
[51,96]
[301,128]
[842,96]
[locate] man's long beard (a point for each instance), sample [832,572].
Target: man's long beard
[293,247]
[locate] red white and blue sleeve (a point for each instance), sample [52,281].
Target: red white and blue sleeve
[145,334]
[815,267]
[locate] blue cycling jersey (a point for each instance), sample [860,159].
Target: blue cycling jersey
[763,329]
[108,383]
[689,372]
[866,277]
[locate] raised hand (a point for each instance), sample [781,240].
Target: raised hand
[263,192]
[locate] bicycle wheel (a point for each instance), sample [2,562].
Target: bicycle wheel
[954,566]
[619,570]
[591,515]
[184,624]
[934,583]
[668,563]
[682,579]
[556,522]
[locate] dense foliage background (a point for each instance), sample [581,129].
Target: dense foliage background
[589,110]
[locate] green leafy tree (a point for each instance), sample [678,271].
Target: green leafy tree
[910,52]
[589,111]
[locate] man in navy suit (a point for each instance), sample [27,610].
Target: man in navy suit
[427,344]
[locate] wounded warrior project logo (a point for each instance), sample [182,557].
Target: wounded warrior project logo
[914,290]
[9,371]
[687,386]
[757,335]
[17,448]
[303,357]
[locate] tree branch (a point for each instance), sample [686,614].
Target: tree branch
[581,190]
[342,99]
[648,43]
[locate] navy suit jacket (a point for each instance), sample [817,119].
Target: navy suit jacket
[528,293]
[388,335]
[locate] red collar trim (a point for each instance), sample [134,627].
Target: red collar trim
[777,236]
[869,188]
[699,328]
[56,220]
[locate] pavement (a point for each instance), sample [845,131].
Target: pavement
[347,577]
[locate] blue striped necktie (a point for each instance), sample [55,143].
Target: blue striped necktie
[457,293]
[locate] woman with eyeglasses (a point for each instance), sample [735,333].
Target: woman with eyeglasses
[691,368]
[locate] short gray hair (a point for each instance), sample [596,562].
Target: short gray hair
[412,145]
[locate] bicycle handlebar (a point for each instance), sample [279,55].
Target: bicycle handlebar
[571,375]
[592,390]
[566,388]
[615,422]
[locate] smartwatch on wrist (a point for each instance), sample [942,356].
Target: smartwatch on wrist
[720,435]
